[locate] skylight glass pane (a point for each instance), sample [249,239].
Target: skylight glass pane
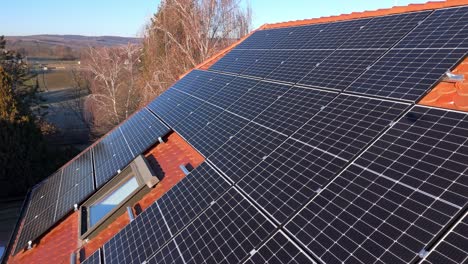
[109,202]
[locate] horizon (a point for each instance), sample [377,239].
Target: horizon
[123,19]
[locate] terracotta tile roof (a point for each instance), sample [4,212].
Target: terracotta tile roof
[452,95]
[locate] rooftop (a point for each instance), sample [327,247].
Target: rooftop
[322,140]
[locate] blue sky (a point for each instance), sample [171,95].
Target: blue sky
[128,17]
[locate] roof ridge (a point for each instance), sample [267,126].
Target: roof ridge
[368,13]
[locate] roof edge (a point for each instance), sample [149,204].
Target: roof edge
[373,13]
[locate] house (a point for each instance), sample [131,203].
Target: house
[337,139]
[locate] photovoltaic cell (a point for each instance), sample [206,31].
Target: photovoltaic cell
[257,99]
[168,255]
[289,177]
[267,63]
[298,36]
[293,109]
[427,150]
[196,120]
[245,150]
[76,171]
[335,34]
[279,249]
[264,39]
[217,132]
[445,28]
[452,248]
[225,233]
[348,124]
[232,92]
[362,217]
[199,79]
[212,86]
[298,65]
[94,258]
[138,240]
[142,130]
[243,61]
[165,106]
[384,32]
[406,74]
[341,68]
[75,195]
[185,201]
[182,110]
[228,59]
[111,154]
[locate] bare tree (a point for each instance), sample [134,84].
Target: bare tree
[112,74]
[184,33]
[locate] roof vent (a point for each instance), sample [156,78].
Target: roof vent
[452,77]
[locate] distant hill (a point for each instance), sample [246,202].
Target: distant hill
[62,46]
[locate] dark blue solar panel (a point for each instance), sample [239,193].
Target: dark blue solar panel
[348,124]
[297,37]
[293,109]
[232,92]
[298,65]
[225,233]
[241,62]
[217,132]
[94,258]
[264,39]
[197,119]
[111,155]
[406,74]
[267,63]
[142,130]
[289,177]
[341,68]
[445,28]
[452,248]
[384,32]
[257,99]
[164,106]
[245,150]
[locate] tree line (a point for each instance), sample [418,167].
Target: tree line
[25,156]
[180,35]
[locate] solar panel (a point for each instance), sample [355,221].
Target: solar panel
[180,111]
[169,214]
[289,177]
[267,63]
[279,249]
[386,31]
[257,99]
[293,109]
[199,79]
[242,61]
[346,125]
[217,132]
[298,65]
[341,68]
[167,104]
[197,119]
[76,171]
[228,59]
[264,39]
[232,92]
[111,154]
[452,248]
[406,74]
[35,227]
[335,34]
[211,86]
[444,28]
[225,233]
[94,258]
[245,150]
[75,195]
[191,196]
[367,218]
[142,130]
[139,239]
[298,36]
[427,149]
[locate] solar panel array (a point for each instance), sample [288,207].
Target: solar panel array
[56,196]
[315,151]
